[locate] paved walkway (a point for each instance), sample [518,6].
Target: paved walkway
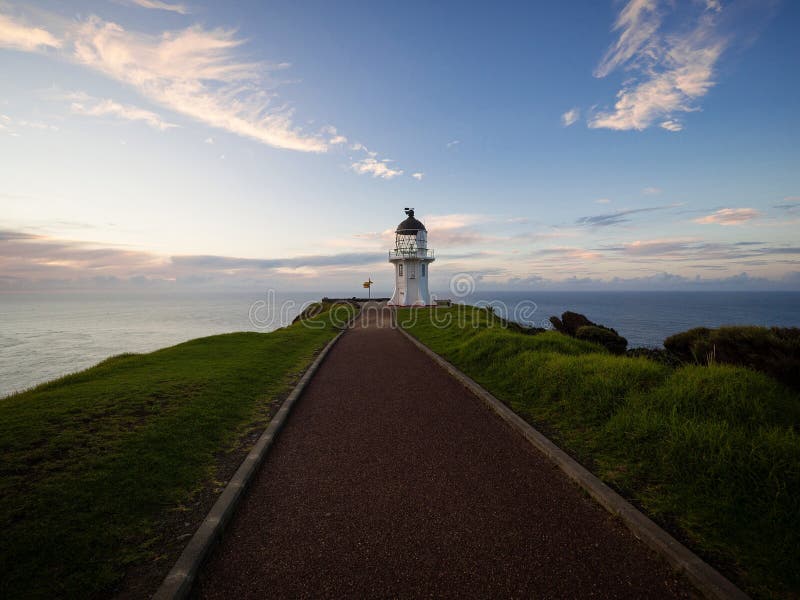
[391,480]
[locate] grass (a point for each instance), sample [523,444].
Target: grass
[710,451]
[92,461]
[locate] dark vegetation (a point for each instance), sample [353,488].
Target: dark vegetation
[578,326]
[774,350]
[92,463]
[709,450]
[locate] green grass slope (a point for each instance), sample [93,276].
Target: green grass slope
[91,461]
[710,451]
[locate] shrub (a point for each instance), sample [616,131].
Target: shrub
[682,344]
[775,351]
[607,338]
[578,326]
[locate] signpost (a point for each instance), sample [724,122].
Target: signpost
[368,285]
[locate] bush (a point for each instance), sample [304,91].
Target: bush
[607,338]
[578,326]
[775,351]
[683,344]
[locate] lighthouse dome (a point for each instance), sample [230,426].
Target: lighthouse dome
[411,225]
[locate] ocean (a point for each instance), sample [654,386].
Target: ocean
[46,335]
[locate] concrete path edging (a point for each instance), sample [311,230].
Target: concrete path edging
[703,576]
[178,582]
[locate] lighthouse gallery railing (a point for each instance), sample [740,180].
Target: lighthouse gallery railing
[411,253]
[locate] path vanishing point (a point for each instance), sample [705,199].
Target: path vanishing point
[382,484]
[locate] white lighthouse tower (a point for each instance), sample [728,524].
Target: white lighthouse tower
[411,258]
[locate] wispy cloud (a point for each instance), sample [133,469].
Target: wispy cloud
[418,176]
[637,23]
[670,70]
[195,72]
[570,117]
[99,107]
[228,263]
[29,258]
[671,125]
[729,216]
[792,204]
[335,137]
[18,36]
[618,217]
[376,168]
[158,5]
[452,143]
[651,191]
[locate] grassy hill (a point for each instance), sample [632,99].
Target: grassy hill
[711,452]
[95,462]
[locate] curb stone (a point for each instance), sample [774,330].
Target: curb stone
[179,581]
[710,582]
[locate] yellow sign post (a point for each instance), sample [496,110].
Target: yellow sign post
[368,285]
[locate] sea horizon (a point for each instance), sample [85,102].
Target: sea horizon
[49,335]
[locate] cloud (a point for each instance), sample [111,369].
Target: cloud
[7,122]
[792,204]
[670,70]
[17,36]
[651,191]
[637,23]
[602,201]
[568,253]
[616,218]
[452,143]
[335,137]
[31,260]
[228,263]
[729,216]
[97,107]
[194,72]
[570,117]
[457,229]
[34,261]
[671,125]
[376,168]
[418,176]
[158,5]
[209,140]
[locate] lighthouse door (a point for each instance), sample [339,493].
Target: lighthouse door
[412,271]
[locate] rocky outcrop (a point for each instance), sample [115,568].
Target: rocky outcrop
[578,326]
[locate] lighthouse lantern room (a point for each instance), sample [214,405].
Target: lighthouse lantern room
[411,258]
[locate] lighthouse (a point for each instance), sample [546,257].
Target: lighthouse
[411,258]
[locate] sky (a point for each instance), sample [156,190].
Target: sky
[648,144]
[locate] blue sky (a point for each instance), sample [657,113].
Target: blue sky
[648,144]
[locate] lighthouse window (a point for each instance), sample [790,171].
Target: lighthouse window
[422,270]
[400,270]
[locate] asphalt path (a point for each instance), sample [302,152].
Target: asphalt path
[390,480]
